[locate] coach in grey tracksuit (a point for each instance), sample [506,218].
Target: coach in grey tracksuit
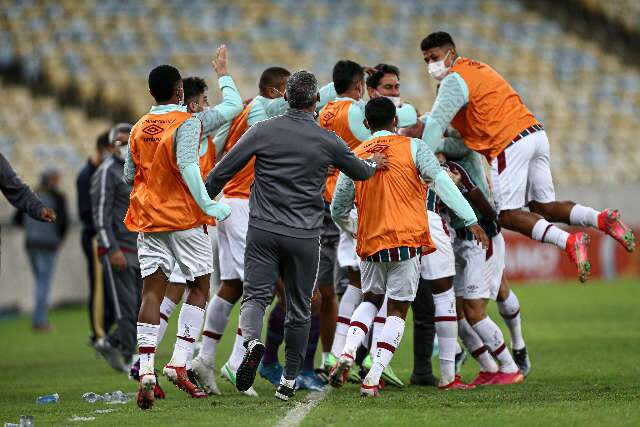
[117,246]
[292,154]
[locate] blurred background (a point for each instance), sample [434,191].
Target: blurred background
[71,69]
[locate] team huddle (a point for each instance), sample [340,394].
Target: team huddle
[348,213]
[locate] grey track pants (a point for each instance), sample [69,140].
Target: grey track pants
[127,287]
[267,257]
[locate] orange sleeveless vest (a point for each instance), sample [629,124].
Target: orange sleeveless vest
[391,204]
[160,200]
[335,116]
[494,115]
[208,161]
[239,187]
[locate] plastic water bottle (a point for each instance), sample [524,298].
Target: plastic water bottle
[11,425]
[49,398]
[116,397]
[92,397]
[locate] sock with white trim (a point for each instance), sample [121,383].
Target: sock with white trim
[492,337]
[378,325]
[474,344]
[510,311]
[189,326]
[360,324]
[350,300]
[389,341]
[166,309]
[147,336]
[238,352]
[217,318]
[544,231]
[446,324]
[583,216]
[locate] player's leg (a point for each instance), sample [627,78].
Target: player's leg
[509,308]
[307,379]
[401,281]
[172,297]
[156,263]
[299,267]
[262,269]
[465,273]
[361,320]
[515,173]
[350,300]
[423,334]
[327,277]
[328,319]
[270,367]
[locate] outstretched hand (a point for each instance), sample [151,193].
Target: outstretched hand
[380,160]
[220,61]
[48,215]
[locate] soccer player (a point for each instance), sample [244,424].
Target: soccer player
[478,275]
[392,231]
[196,101]
[384,80]
[170,208]
[292,154]
[232,233]
[494,121]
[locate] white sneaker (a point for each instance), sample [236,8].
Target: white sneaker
[230,375]
[368,389]
[205,376]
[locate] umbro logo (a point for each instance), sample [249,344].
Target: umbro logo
[152,129]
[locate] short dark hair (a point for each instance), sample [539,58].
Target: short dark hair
[272,77]
[193,87]
[162,82]
[302,90]
[380,70]
[119,128]
[379,112]
[437,39]
[345,73]
[102,142]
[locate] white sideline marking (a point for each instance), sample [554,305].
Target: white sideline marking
[301,409]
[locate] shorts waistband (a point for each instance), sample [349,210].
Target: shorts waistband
[526,132]
[402,253]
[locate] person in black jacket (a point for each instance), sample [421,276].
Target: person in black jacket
[101,316]
[43,239]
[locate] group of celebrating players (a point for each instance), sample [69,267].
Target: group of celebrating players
[423,231]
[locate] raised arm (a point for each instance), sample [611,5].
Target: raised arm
[452,96]
[327,94]
[187,143]
[342,203]
[231,104]
[233,161]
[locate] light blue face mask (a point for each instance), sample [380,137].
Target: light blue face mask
[122,151]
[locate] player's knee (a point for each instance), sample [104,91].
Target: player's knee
[375,299]
[542,209]
[398,308]
[474,312]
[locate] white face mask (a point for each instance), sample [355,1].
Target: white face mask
[396,100]
[437,69]
[121,151]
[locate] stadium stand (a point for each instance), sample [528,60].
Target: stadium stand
[99,53]
[627,12]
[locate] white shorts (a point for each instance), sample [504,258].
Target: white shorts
[522,173]
[347,256]
[478,271]
[397,279]
[440,263]
[190,250]
[232,236]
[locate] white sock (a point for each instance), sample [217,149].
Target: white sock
[216,321]
[458,348]
[544,231]
[378,325]
[584,216]
[476,347]
[188,364]
[389,340]
[510,311]
[147,336]
[166,309]
[325,356]
[189,327]
[238,351]
[360,324]
[493,339]
[286,382]
[350,300]
[446,324]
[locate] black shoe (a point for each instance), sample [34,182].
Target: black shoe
[423,380]
[521,357]
[246,374]
[285,392]
[112,355]
[460,359]
[192,377]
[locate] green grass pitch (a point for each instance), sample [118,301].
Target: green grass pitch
[584,342]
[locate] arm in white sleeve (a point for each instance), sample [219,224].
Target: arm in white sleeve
[407,116]
[129,166]
[327,94]
[275,107]
[430,169]
[227,110]
[356,123]
[186,146]
[342,203]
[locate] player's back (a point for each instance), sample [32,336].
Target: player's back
[494,114]
[392,204]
